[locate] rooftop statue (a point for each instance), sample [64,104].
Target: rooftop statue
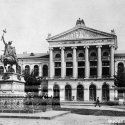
[80,21]
[9,56]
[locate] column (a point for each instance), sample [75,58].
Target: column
[86,92]
[62,92]
[63,64]
[112,93]
[51,63]
[50,90]
[74,63]
[40,70]
[99,91]
[31,68]
[99,62]
[23,68]
[112,60]
[74,93]
[87,70]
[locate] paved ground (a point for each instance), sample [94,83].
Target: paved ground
[113,108]
[40,115]
[72,118]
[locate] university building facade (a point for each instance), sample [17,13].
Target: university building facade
[80,65]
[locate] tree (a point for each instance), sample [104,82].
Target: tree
[120,77]
[32,81]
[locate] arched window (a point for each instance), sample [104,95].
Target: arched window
[105,54]
[58,56]
[81,55]
[105,92]
[56,91]
[93,54]
[45,71]
[36,70]
[80,93]
[120,67]
[27,69]
[92,92]
[69,55]
[1,70]
[68,93]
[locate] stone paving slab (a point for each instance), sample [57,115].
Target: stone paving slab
[41,115]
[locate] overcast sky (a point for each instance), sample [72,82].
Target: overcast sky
[28,22]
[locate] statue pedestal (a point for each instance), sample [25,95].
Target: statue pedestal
[12,91]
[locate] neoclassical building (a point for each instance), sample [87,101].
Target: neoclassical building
[79,66]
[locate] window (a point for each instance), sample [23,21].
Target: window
[93,54]
[45,71]
[27,69]
[57,64]
[1,70]
[81,55]
[36,70]
[57,56]
[105,54]
[69,55]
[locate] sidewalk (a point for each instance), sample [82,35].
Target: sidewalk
[41,115]
[113,108]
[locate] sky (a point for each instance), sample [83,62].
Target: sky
[28,22]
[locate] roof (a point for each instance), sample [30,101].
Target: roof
[119,53]
[80,32]
[33,55]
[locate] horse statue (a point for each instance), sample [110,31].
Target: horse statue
[9,56]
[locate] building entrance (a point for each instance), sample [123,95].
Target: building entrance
[68,93]
[80,93]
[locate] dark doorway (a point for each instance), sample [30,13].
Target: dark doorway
[80,93]
[56,91]
[68,93]
[92,93]
[105,92]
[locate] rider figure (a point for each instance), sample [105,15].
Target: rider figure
[9,56]
[9,51]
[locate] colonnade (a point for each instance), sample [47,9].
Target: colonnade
[75,65]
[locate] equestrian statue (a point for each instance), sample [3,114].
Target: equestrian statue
[9,56]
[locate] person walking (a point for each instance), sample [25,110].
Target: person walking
[97,102]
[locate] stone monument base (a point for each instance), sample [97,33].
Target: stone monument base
[12,92]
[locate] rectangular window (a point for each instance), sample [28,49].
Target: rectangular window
[81,63]
[69,64]
[93,63]
[105,63]
[93,72]
[57,64]
[58,72]
[69,72]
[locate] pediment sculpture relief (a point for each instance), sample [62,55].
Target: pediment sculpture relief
[80,34]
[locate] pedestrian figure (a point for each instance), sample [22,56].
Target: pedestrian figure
[97,102]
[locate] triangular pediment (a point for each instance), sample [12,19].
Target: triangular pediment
[80,33]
